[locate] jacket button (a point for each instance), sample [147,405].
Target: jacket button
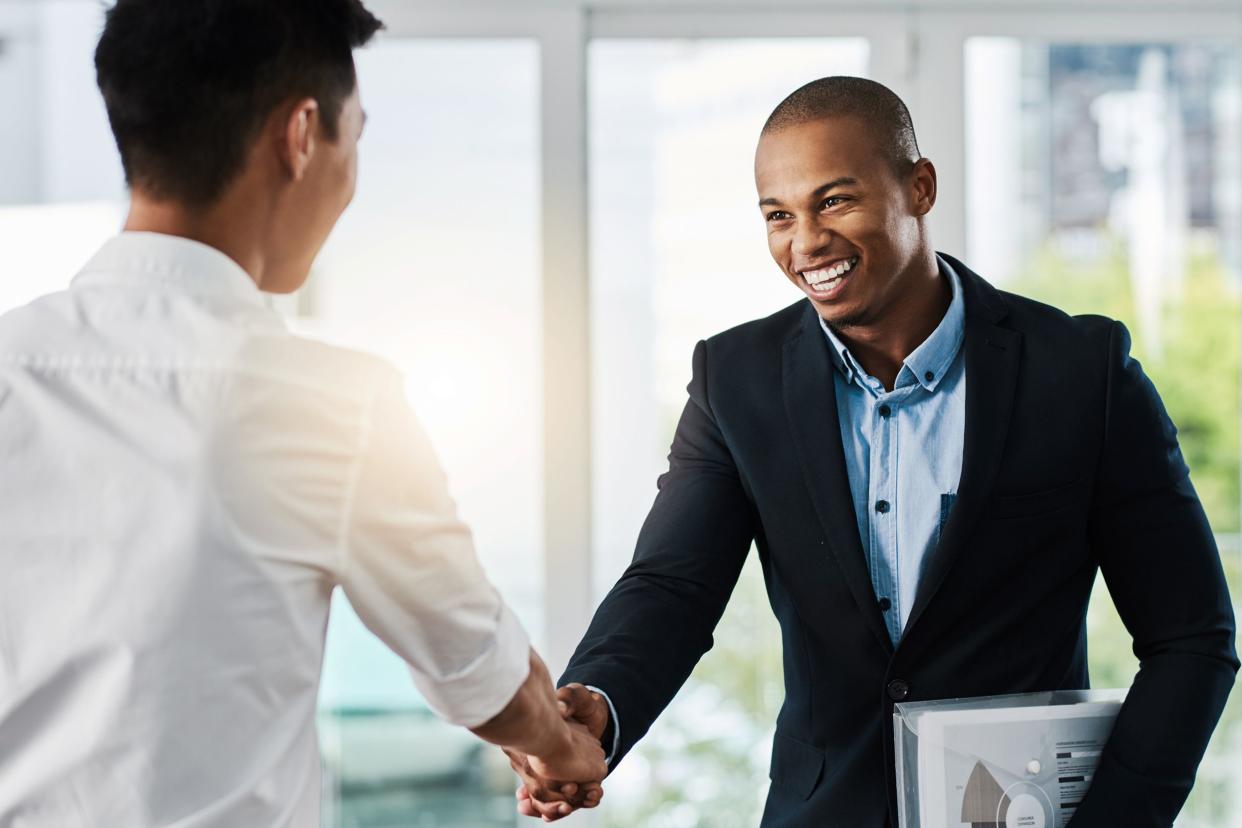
[898,690]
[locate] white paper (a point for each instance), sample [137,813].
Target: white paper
[1009,767]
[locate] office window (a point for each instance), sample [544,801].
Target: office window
[62,192]
[678,253]
[436,266]
[1107,178]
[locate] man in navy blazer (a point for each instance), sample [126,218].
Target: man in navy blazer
[1033,452]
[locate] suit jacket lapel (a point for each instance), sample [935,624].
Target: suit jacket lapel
[992,357]
[811,408]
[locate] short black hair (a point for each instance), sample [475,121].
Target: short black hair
[188,84]
[842,95]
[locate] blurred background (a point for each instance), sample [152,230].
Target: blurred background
[546,191]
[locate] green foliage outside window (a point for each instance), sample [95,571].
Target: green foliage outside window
[1195,367]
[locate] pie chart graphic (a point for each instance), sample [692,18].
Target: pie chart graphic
[984,802]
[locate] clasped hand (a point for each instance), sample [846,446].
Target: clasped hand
[556,786]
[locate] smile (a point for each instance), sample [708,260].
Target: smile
[825,280]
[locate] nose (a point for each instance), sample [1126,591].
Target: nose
[809,238]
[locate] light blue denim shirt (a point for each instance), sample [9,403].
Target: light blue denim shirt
[903,453]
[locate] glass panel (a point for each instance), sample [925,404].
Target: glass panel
[62,192]
[1108,179]
[678,253]
[436,266]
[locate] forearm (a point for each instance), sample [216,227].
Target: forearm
[1149,764]
[530,722]
[1178,609]
[642,644]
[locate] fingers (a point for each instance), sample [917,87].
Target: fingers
[591,797]
[528,805]
[541,796]
[538,787]
[524,805]
[547,811]
[583,759]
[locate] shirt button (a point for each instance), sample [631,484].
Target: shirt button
[881,506]
[885,605]
[929,376]
[898,690]
[885,411]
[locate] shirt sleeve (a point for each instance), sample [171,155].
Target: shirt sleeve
[616,726]
[408,566]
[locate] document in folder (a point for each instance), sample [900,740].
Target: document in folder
[1022,766]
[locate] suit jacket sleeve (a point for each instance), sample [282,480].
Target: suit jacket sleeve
[1160,562]
[657,621]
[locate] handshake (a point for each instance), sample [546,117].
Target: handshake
[569,773]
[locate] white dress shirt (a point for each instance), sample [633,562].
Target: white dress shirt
[182,484]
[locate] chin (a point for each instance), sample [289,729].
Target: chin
[842,317]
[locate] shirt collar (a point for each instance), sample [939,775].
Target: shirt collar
[930,359]
[171,261]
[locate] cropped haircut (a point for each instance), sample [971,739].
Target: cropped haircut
[877,106]
[189,84]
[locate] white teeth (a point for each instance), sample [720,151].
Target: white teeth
[817,277]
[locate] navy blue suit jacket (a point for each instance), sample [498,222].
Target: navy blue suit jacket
[1071,465]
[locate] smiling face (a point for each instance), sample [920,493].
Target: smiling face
[843,224]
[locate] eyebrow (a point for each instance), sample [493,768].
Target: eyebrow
[843,181]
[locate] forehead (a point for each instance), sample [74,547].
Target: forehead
[803,156]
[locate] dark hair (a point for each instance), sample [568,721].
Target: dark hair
[841,95]
[188,84]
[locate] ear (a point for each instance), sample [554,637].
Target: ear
[923,187]
[296,139]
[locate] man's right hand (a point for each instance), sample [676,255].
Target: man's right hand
[578,758]
[540,796]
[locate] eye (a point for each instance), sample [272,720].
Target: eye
[833,201]
[777,215]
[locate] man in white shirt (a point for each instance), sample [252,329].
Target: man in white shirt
[183,482]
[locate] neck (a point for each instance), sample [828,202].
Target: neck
[881,347]
[225,225]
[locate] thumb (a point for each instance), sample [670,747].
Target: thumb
[567,698]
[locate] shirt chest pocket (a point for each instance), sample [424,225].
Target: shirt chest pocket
[1041,502]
